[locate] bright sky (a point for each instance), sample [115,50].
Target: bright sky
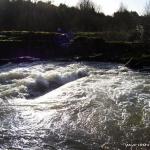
[109,6]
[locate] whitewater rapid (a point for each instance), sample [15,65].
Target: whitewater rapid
[73,106]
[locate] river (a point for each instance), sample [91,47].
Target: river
[73,106]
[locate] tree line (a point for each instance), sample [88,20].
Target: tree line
[44,16]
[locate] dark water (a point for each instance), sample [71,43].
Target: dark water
[73,106]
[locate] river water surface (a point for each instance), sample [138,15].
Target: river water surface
[73,106]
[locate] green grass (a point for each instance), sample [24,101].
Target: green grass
[108,36]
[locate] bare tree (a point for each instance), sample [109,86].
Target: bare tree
[86,5]
[122,7]
[147,9]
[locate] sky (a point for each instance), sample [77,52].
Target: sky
[109,6]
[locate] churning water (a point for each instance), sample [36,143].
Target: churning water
[73,106]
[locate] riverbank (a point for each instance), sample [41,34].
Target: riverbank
[44,45]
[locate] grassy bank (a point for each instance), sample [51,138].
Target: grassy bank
[85,46]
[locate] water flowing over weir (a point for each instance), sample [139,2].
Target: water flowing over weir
[73,106]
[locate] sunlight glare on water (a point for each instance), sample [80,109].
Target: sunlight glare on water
[73,106]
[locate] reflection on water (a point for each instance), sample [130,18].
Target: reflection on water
[73,106]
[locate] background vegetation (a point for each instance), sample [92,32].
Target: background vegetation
[27,15]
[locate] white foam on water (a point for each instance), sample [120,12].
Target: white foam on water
[77,105]
[34,82]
